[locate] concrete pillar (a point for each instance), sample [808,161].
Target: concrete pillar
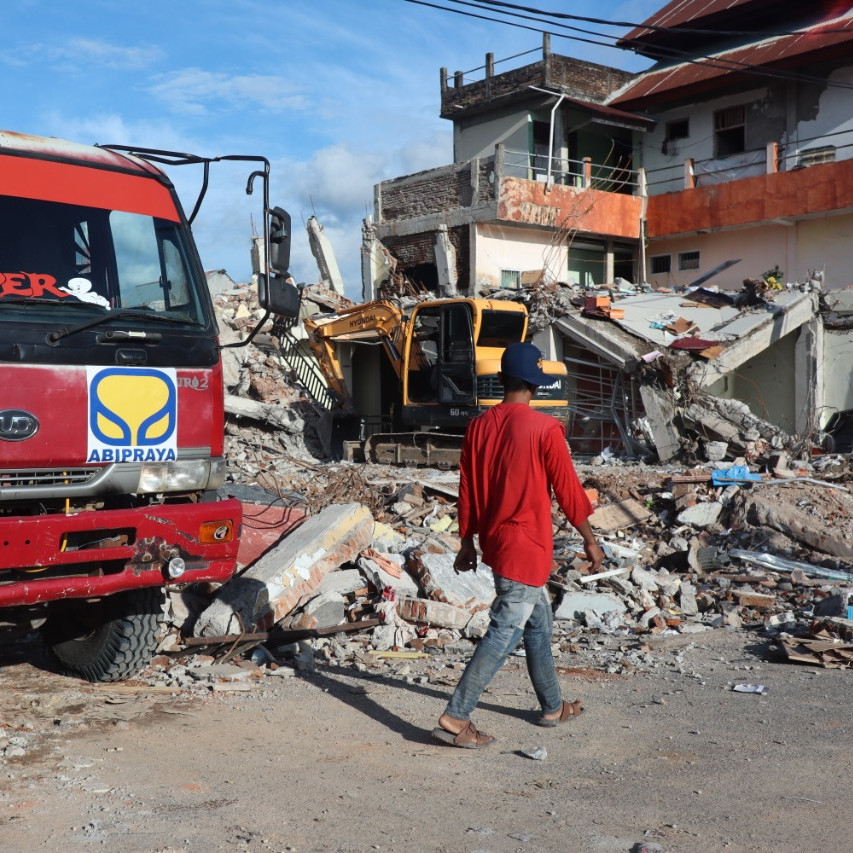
[490,65]
[587,172]
[445,262]
[772,157]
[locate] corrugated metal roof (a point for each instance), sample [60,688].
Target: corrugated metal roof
[777,51]
[680,13]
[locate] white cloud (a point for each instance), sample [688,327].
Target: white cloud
[85,54]
[194,91]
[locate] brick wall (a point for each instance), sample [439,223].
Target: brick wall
[436,191]
[587,81]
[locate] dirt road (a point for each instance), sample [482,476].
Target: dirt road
[341,760]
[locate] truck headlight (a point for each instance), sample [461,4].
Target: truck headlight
[183,475]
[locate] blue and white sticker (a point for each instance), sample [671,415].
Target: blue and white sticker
[133,414]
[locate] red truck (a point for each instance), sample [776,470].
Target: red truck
[111,397]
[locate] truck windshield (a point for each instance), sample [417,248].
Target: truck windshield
[55,255]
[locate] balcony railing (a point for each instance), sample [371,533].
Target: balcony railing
[583,174]
[774,157]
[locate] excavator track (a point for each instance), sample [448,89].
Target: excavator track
[439,450]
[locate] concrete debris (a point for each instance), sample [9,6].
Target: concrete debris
[329,545]
[273,586]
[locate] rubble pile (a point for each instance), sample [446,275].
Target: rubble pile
[357,565]
[271,422]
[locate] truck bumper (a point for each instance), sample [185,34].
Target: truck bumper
[90,554]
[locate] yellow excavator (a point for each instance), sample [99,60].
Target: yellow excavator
[439,370]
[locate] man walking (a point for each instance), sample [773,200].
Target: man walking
[513,457]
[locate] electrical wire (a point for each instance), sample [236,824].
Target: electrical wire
[660,52]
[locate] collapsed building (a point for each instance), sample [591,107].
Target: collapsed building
[720,168]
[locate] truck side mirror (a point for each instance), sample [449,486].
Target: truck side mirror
[279,259]
[278,295]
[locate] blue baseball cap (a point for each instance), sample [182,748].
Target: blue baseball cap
[524,361]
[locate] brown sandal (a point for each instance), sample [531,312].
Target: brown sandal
[468,738]
[567,712]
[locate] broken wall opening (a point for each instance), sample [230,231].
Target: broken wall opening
[764,384]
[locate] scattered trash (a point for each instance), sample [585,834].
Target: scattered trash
[537,753]
[750,688]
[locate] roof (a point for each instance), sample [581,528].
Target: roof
[741,331]
[683,13]
[818,41]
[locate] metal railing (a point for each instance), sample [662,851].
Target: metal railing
[302,364]
[775,156]
[583,174]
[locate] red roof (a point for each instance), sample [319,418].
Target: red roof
[819,41]
[682,13]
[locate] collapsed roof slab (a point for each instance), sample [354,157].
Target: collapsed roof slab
[606,339]
[755,332]
[743,332]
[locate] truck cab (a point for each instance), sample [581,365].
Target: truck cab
[111,404]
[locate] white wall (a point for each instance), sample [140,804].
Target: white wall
[479,140]
[759,250]
[665,172]
[497,247]
[834,116]
[822,243]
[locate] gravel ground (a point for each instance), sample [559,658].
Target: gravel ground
[341,759]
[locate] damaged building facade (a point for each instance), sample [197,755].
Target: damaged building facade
[727,164]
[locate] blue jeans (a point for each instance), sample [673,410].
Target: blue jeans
[517,611]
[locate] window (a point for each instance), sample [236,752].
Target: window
[660,264]
[677,129]
[688,260]
[730,131]
[510,278]
[816,156]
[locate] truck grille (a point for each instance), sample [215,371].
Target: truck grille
[46,477]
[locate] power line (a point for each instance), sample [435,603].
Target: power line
[717,62]
[654,27]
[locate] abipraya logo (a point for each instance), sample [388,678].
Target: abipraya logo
[133,414]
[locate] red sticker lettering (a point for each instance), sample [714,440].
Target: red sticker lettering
[29,284]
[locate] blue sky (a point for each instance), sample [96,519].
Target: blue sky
[337,94]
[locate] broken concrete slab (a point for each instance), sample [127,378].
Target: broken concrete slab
[323,611]
[274,585]
[404,585]
[661,415]
[801,524]
[440,614]
[472,591]
[574,604]
[701,515]
[618,515]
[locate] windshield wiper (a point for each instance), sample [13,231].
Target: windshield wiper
[37,303]
[120,314]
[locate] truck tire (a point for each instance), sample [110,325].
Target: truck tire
[107,640]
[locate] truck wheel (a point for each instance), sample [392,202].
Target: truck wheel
[106,640]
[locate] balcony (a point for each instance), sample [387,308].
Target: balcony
[514,187]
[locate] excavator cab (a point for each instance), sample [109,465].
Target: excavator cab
[440,363]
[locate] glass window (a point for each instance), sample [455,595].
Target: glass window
[730,131]
[688,260]
[500,328]
[59,259]
[510,278]
[660,264]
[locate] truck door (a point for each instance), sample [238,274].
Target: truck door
[457,364]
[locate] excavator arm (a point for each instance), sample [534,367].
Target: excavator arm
[380,321]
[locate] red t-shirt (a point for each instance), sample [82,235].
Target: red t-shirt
[512,459]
